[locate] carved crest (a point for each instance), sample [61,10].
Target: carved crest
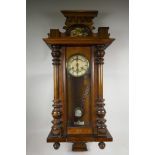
[79,23]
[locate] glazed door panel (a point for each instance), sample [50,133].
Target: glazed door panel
[78,90]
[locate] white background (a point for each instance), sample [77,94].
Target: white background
[13,78]
[42,16]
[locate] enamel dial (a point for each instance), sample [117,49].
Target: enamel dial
[77,65]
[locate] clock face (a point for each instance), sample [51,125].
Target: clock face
[77,65]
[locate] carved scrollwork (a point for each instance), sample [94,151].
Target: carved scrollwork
[79,19]
[76,20]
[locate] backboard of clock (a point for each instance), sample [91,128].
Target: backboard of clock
[78,83]
[78,57]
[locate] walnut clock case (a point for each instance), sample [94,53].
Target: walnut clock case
[78,58]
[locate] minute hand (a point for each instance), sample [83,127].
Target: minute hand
[77,69]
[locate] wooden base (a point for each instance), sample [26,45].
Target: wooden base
[80,140]
[79,146]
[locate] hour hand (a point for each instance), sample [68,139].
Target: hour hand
[82,68]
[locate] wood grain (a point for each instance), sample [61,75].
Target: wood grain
[92,46]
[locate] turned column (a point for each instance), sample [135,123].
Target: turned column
[57,106]
[100,110]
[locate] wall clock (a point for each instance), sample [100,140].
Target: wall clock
[78,57]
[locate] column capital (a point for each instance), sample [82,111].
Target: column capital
[56,53]
[99,54]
